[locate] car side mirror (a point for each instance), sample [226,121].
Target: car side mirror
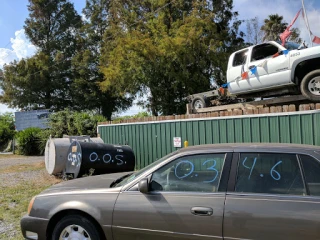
[144,186]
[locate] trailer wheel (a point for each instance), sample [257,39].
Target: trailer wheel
[310,86]
[198,103]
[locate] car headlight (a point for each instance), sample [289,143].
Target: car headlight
[31,204]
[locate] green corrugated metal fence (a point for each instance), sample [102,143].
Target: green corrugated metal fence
[153,140]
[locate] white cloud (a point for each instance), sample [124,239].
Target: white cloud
[84,18]
[288,9]
[6,56]
[4,109]
[21,48]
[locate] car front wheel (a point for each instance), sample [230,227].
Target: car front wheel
[75,227]
[310,86]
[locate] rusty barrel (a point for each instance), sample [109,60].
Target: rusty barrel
[98,158]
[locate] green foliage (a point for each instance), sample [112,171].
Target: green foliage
[86,90]
[72,123]
[136,116]
[28,141]
[43,81]
[43,137]
[7,129]
[169,49]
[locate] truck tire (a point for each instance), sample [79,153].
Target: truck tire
[198,103]
[310,86]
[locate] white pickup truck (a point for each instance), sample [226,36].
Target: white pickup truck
[268,70]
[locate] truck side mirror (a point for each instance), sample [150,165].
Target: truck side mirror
[144,186]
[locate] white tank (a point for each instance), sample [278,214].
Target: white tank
[56,153]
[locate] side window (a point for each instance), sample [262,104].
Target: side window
[196,173]
[311,169]
[269,173]
[263,51]
[240,58]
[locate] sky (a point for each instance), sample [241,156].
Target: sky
[15,45]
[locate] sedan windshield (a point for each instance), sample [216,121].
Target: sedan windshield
[136,174]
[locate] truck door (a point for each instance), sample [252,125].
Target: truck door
[271,70]
[236,66]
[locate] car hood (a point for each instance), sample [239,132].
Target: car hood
[86,183]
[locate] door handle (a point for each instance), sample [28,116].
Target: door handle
[202,211]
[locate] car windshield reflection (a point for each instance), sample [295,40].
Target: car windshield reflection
[129,178]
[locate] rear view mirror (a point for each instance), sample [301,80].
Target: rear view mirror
[144,185]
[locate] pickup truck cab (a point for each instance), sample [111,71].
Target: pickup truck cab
[274,70]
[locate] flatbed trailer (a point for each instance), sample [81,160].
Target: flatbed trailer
[278,101]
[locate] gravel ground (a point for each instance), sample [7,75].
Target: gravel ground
[19,177]
[17,160]
[12,178]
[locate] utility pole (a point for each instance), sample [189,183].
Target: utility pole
[307,22]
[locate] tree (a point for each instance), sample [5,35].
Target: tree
[87,74]
[295,35]
[254,32]
[274,26]
[44,81]
[169,49]
[7,129]
[25,84]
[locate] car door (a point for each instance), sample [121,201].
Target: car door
[185,201]
[269,199]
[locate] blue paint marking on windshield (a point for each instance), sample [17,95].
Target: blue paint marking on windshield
[191,170]
[213,169]
[251,168]
[274,171]
[186,174]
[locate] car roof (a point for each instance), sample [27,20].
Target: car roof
[253,146]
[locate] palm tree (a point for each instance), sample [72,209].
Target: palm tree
[273,27]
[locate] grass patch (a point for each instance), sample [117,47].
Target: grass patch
[14,200]
[9,156]
[23,168]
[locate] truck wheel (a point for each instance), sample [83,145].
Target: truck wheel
[198,103]
[310,86]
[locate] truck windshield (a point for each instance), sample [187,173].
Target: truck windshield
[293,46]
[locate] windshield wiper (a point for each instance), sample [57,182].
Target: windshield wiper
[119,179]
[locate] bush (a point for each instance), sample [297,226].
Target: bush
[32,141]
[7,130]
[139,115]
[74,123]
[28,141]
[43,137]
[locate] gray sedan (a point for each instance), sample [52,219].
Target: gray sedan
[232,191]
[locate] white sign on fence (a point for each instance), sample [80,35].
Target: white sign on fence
[177,142]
